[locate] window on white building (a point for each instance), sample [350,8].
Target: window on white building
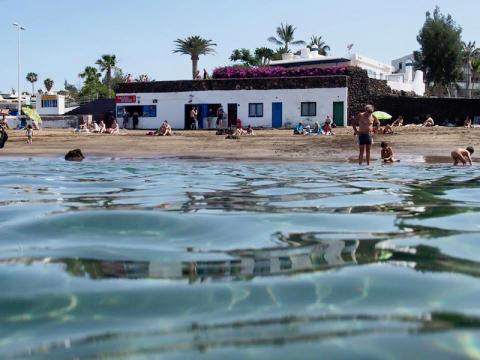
[255,110]
[309,109]
[49,103]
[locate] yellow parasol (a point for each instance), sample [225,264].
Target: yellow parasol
[32,114]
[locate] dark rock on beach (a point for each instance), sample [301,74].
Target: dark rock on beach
[233,137]
[74,155]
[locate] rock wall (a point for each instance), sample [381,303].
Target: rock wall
[362,90]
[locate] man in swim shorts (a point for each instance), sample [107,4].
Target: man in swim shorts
[363,127]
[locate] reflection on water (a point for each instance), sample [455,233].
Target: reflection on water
[141,259]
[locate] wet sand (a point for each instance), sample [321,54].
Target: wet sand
[410,144]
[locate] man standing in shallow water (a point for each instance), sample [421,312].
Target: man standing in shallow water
[363,127]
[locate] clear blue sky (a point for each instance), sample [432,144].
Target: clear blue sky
[63,37]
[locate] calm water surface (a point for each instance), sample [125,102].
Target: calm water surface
[160,259]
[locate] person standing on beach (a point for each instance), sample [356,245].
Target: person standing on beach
[135,120]
[220,116]
[193,118]
[363,127]
[126,117]
[29,133]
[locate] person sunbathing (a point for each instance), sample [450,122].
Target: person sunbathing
[398,122]
[388,130]
[429,122]
[327,129]
[463,156]
[316,129]
[102,127]
[94,128]
[114,129]
[299,129]
[468,123]
[165,129]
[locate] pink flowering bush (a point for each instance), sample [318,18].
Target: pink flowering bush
[236,72]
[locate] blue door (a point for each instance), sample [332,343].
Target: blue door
[277,110]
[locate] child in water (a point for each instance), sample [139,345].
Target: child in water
[387,153]
[463,156]
[29,133]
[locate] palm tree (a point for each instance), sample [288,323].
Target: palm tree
[48,84]
[286,37]
[470,52]
[90,73]
[32,78]
[317,42]
[194,46]
[107,63]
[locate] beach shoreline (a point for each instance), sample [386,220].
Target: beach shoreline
[411,144]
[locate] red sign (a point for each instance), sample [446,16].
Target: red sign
[126,99]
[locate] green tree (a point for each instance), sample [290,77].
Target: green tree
[441,48]
[107,63]
[194,46]
[243,56]
[318,43]
[264,55]
[470,53]
[92,86]
[48,84]
[286,37]
[32,78]
[261,57]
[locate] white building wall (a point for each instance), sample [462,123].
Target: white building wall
[59,110]
[171,106]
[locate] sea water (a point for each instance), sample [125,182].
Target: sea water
[146,259]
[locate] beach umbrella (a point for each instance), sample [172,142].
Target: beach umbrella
[32,114]
[381,115]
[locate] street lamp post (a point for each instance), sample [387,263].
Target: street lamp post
[19,93]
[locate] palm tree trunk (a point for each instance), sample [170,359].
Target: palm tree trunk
[33,88]
[194,67]
[109,82]
[469,81]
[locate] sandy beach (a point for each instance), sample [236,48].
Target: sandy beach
[410,145]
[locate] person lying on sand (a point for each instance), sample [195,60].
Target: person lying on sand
[429,122]
[388,130]
[114,129]
[398,122]
[463,156]
[387,153]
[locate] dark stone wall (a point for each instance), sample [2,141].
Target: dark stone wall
[234,84]
[415,109]
[362,90]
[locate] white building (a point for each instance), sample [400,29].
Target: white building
[375,69]
[51,104]
[281,104]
